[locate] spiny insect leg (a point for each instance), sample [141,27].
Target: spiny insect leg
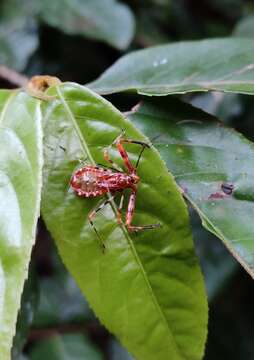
[92,214]
[119,210]
[130,214]
[109,160]
[119,144]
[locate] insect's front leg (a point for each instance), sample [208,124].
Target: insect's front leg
[120,140]
[109,160]
[130,214]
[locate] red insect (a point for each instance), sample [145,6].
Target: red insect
[92,181]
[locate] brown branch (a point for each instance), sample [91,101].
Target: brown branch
[12,76]
[90,327]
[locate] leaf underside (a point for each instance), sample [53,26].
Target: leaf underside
[106,20]
[20,185]
[215,64]
[205,158]
[146,288]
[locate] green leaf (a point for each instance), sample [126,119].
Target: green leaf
[217,64]
[202,155]
[105,20]
[66,347]
[146,288]
[20,185]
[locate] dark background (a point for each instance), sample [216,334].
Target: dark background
[55,321]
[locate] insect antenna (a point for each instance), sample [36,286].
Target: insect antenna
[139,157]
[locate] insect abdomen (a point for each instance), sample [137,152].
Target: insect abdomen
[88,182]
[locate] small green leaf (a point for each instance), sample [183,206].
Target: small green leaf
[66,347]
[217,64]
[20,185]
[17,27]
[105,20]
[203,155]
[146,288]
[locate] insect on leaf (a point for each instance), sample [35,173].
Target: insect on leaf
[212,164]
[146,288]
[20,186]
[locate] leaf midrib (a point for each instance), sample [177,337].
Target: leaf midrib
[125,232]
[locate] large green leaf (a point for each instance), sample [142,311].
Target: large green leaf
[203,155]
[105,20]
[146,288]
[20,185]
[217,64]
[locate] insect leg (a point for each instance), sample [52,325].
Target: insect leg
[130,214]
[92,214]
[119,210]
[109,160]
[119,144]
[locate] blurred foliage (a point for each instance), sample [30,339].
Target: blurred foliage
[26,314]
[33,42]
[67,347]
[59,299]
[102,20]
[117,352]
[245,27]
[17,27]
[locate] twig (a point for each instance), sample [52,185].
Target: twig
[12,76]
[89,326]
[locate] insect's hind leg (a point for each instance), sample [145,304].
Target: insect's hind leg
[130,214]
[91,216]
[119,210]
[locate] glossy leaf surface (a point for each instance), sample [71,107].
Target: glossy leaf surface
[217,64]
[20,185]
[106,20]
[206,159]
[146,288]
